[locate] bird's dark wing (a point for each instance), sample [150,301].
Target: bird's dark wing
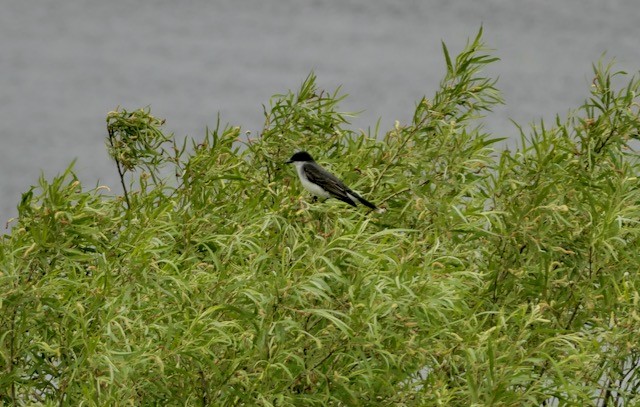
[328,182]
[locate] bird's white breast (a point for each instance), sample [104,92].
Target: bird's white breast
[308,185]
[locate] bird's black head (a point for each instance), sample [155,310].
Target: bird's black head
[300,156]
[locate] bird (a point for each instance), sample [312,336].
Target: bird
[321,183]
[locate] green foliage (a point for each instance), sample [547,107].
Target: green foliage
[135,138]
[509,280]
[136,141]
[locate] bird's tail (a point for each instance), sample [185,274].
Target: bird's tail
[363,201]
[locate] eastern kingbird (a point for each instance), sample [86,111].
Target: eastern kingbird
[321,183]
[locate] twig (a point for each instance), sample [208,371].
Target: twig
[120,171]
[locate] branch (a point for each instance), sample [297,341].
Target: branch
[120,171]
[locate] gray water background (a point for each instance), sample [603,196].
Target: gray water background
[64,64]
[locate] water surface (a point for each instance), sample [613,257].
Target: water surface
[64,64]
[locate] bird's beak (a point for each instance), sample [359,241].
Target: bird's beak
[288,162]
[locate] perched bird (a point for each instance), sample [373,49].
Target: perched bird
[323,184]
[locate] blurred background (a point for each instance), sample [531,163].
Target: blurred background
[64,64]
